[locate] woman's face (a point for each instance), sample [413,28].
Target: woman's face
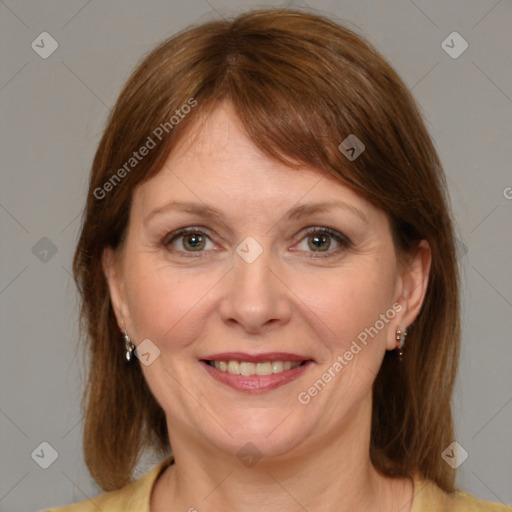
[252,288]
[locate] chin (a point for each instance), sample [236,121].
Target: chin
[269,436]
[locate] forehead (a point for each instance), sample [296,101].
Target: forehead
[216,163]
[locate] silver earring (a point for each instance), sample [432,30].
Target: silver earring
[128,345]
[400,337]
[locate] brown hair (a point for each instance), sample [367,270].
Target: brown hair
[300,84]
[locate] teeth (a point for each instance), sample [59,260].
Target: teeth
[277,367]
[234,367]
[264,368]
[247,369]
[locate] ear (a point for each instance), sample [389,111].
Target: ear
[413,284]
[114,276]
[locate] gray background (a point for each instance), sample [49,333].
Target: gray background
[52,114]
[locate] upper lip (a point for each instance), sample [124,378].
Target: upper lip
[256,358]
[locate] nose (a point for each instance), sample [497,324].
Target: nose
[255,299]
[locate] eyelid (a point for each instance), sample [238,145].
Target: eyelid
[170,237]
[328,231]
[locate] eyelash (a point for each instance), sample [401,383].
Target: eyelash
[340,238]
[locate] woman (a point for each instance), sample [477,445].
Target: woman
[269,281]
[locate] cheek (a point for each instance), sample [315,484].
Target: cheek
[166,303]
[172,306]
[350,303]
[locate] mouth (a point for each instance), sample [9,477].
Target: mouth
[255,373]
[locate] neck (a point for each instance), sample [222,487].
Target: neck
[328,474]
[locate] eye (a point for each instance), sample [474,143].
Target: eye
[187,240]
[321,240]
[317,241]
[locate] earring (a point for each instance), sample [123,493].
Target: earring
[128,345]
[400,337]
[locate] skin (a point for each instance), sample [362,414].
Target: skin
[191,304]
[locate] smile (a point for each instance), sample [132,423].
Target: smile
[255,373]
[247,369]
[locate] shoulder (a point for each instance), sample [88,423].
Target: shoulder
[428,497]
[134,497]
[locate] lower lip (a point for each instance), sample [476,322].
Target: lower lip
[256,383]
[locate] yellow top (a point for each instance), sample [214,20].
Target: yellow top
[135,497]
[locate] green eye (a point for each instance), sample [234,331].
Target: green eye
[193,241]
[319,242]
[187,240]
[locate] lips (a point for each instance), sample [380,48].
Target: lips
[255,372]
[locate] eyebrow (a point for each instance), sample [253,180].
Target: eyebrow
[305,210]
[296,213]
